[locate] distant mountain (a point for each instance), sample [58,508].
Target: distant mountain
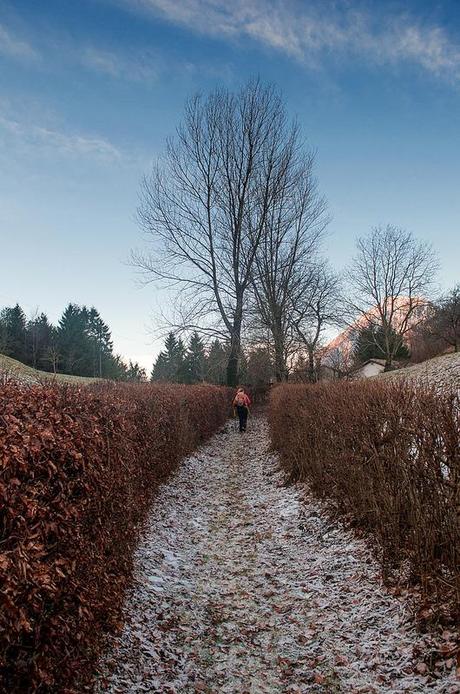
[338,353]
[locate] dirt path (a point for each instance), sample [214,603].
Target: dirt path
[241,588]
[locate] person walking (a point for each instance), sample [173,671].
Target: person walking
[241,403]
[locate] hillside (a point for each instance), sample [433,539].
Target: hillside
[26,374]
[442,372]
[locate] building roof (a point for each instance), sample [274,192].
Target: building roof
[380,362]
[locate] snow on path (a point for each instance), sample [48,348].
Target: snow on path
[242,588]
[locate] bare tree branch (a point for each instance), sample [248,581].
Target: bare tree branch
[286,255]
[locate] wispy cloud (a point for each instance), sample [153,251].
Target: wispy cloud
[13,47]
[137,64]
[37,136]
[137,68]
[309,33]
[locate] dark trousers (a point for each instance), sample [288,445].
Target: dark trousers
[242,416]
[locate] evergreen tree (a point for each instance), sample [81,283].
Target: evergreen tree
[14,332]
[3,336]
[195,360]
[39,335]
[170,364]
[181,373]
[80,345]
[101,343]
[73,341]
[135,373]
[174,350]
[216,363]
[116,369]
[160,368]
[370,344]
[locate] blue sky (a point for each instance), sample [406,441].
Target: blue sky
[90,90]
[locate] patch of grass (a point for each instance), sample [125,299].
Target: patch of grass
[21,372]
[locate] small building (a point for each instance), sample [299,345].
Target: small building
[371,367]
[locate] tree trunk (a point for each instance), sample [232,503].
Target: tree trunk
[235,345]
[232,368]
[388,349]
[311,365]
[280,366]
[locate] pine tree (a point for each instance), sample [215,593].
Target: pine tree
[81,344]
[73,342]
[216,364]
[175,351]
[116,368]
[170,364]
[195,360]
[39,335]
[3,336]
[101,343]
[181,374]
[135,372]
[14,332]
[160,368]
[370,344]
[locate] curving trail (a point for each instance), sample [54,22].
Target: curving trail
[243,587]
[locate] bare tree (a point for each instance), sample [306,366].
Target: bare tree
[52,356]
[205,205]
[443,322]
[317,306]
[390,278]
[285,260]
[339,362]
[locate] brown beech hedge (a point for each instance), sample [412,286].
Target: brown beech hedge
[387,455]
[78,468]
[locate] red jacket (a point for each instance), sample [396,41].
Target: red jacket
[244,400]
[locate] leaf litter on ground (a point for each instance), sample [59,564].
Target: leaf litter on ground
[245,586]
